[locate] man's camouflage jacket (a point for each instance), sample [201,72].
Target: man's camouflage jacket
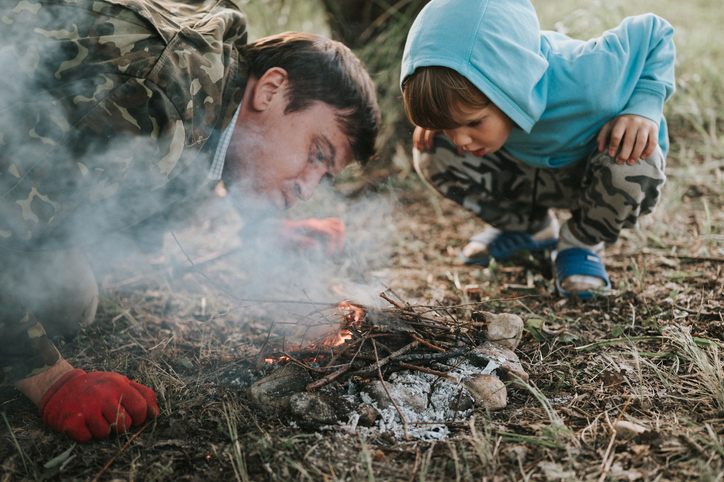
[108,114]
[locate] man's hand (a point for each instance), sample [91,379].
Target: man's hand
[631,136]
[422,139]
[86,405]
[312,234]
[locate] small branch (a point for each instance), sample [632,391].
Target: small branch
[333,376]
[125,446]
[260,356]
[427,344]
[426,370]
[304,365]
[382,381]
[328,379]
[380,363]
[392,302]
[714,259]
[607,461]
[432,357]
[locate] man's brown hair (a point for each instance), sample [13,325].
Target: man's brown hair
[323,70]
[432,94]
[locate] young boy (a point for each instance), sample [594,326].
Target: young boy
[539,121]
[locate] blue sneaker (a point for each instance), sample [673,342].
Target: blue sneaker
[501,245]
[574,268]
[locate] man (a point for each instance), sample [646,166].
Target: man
[112,113]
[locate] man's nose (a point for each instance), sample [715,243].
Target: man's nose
[308,183]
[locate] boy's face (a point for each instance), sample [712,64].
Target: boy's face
[482,131]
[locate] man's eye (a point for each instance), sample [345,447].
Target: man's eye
[316,155]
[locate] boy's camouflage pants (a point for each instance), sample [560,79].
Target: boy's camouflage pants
[602,196]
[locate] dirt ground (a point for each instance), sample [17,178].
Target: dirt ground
[647,353]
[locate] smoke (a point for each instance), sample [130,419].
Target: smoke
[70,178]
[266,279]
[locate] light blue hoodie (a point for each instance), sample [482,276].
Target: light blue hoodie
[559,91]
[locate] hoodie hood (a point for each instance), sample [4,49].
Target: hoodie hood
[484,41]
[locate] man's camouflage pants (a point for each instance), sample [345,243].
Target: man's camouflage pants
[45,291]
[602,196]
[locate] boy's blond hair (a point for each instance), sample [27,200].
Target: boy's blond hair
[432,94]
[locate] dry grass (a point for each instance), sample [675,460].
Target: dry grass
[649,353]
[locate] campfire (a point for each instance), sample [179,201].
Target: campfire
[400,365]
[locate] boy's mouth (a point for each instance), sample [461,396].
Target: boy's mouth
[478,153]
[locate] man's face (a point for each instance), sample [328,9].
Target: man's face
[279,158]
[482,131]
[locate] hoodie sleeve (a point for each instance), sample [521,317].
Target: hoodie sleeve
[645,47]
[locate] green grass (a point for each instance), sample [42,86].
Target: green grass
[270,17]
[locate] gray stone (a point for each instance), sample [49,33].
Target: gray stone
[487,390]
[367,415]
[312,407]
[505,329]
[628,430]
[273,391]
[462,403]
[507,361]
[402,395]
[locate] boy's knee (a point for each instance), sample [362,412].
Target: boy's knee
[641,182]
[429,165]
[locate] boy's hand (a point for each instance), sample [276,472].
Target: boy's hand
[422,139]
[631,136]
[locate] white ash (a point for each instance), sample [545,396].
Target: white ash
[416,386]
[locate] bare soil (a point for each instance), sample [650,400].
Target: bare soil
[648,353]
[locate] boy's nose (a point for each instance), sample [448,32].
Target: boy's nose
[458,137]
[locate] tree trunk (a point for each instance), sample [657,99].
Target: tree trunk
[376,30]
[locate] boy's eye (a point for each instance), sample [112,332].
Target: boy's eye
[475,123]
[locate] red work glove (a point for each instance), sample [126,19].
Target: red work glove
[311,234]
[86,405]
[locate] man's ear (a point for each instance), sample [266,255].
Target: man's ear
[270,88]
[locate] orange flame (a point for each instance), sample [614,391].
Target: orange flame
[272,361]
[337,339]
[348,309]
[351,314]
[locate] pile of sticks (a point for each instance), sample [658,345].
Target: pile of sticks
[389,339]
